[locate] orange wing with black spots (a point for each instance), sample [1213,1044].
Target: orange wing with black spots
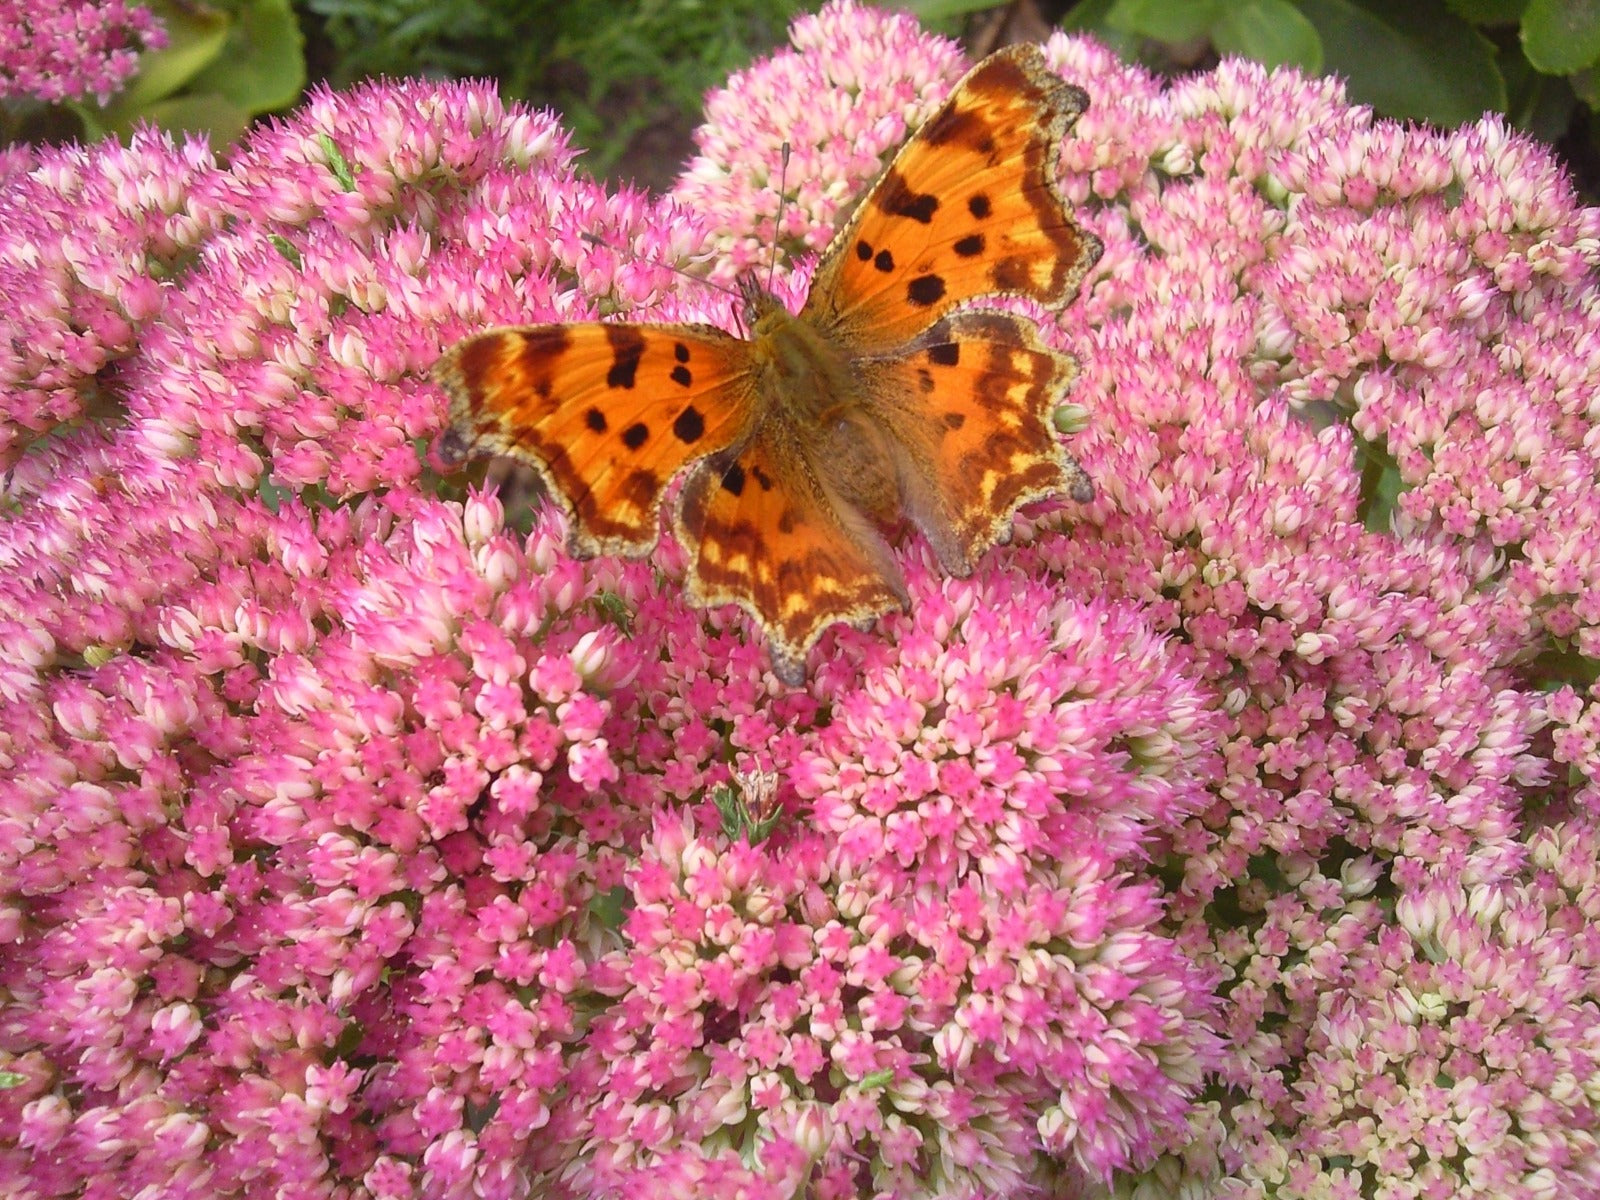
[970,207]
[607,414]
[969,408]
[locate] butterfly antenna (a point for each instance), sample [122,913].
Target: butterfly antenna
[777,222]
[594,239]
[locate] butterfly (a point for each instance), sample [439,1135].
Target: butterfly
[891,396]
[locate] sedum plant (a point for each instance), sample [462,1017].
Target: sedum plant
[1233,835]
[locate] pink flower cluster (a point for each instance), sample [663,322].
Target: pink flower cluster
[68,49]
[1232,836]
[843,104]
[1342,382]
[352,842]
[939,977]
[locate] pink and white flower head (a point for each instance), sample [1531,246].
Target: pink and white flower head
[73,49]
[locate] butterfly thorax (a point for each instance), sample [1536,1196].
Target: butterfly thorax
[804,373]
[813,394]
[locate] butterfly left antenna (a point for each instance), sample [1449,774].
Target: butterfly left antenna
[594,239]
[777,221]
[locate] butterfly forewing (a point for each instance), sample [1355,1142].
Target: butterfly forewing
[607,414]
[969,207]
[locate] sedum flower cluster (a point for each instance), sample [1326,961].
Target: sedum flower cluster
[1234,835]
[72,49]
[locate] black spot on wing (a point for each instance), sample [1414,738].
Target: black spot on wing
[896,198]
[979,206]
[627,347]
[690,426]
[947,355]
[884,261]
[733,479]
[681,376]
[595,420]
[925,290]
[970,246]
[635,435]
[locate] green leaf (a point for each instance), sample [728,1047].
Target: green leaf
[1488,12]
[273,494]
[732,802]
[1087,16]
[1409,60]
[1586,85]
[615,609]
[1381,487]
[1561,36]
[286,248]
[1542,105]
[611,908]
[195,37]
[337,162]
[92,117]
[217,117]
[1272,32]
[263,65]
[1165,20]
[930,11]
[1094,16]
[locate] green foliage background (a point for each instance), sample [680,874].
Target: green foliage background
[1444,61]
[629,77]
[614,71]
[225,63]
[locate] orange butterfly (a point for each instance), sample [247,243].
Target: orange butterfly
[888,396]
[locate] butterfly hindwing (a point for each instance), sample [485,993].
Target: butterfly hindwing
[969,207]
[765,533]
[607,414]
[969,410]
